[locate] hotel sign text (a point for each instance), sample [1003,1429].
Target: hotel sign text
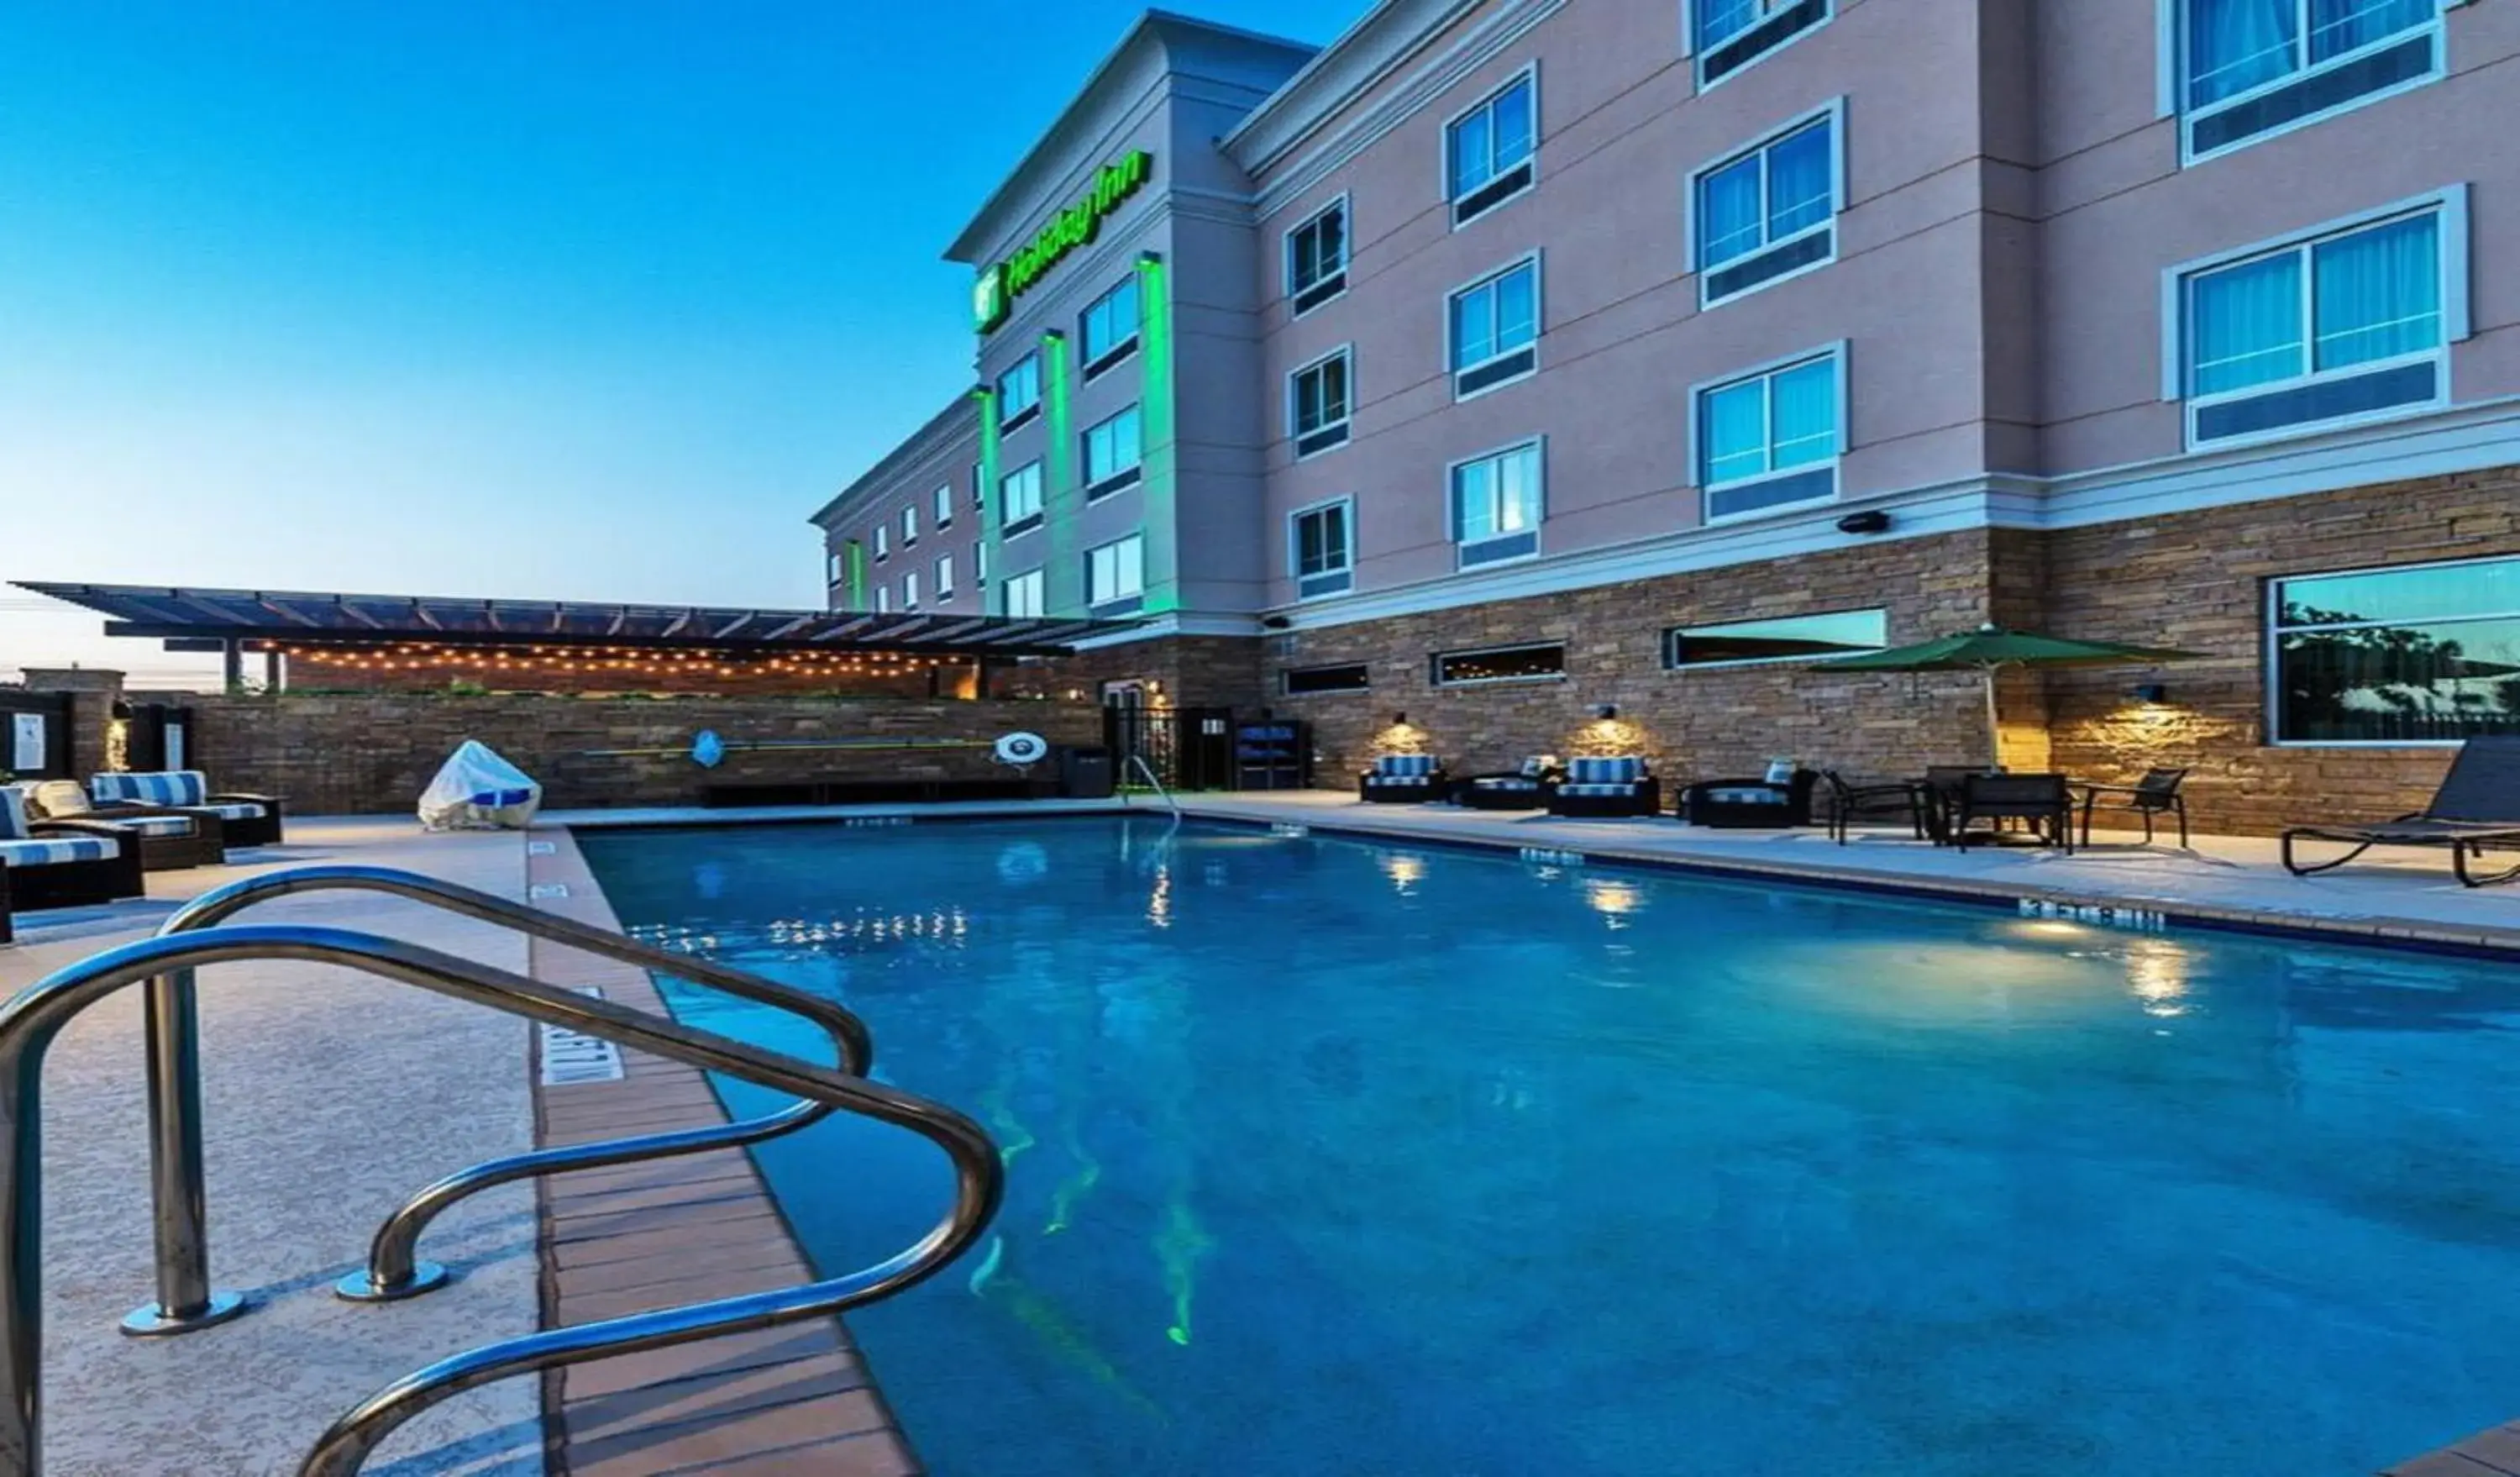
[994,296]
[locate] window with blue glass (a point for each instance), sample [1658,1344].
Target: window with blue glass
[1109,328]
[1726,35]
[1019,392]
[1769,439]
[1321,548]
[1769,212]
[1019,498]
[1112,453]
[1497,506]
[2310,333]
[2248,69]
[2420,654]
[1495,328]
[1488,150]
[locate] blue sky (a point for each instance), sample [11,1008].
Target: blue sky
[575,300]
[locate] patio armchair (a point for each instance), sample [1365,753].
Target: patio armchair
[2152,796]
[2477,807]
[1403,780]
[2042,800]
[1596,789]
[171,837]
[1883,800]
[1750,804]
[1525,788]
[249,819]
[61,864]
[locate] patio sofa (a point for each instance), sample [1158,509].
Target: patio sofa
[1526,789]
[249,819]
[1602,787]
[2477,807]
[1403,780]
[171,837]
[61,864]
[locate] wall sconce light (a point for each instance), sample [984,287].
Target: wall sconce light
[1400,720]
[1274,622]
[1870,521]
[1606,711]
[2149,692]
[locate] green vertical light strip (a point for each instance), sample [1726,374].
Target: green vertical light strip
[990,560]
[1163,522]
[1062,497]
[857,574]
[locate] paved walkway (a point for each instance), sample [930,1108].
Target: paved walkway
[329,1096]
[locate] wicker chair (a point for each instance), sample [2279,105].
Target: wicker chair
[249,819]
[62,864]
[1403,780]
[1602,787]
[171,837]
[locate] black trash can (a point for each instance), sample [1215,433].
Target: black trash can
[1085,773]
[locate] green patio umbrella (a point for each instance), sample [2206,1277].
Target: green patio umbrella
[1991,649]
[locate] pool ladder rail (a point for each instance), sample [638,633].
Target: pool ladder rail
[1155,783]
[198,935]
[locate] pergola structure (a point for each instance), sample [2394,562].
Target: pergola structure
[370,633]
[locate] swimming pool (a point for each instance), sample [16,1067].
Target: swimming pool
[1336,1158]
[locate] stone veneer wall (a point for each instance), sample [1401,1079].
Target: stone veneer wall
[1195,671]
[2197,582]
[374,753]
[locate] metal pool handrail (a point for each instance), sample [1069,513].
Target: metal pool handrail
[30,1022]
[187,1301]
[1148,770]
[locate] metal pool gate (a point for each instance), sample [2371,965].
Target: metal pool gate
[1187,748]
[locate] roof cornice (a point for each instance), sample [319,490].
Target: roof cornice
[1364,54]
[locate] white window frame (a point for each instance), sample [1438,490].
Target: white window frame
[944,505]
[1118,477]
[2452,234]
[1030,581]
[910,589]
[1347,527]
[1095,601]
[944,577]
[1527,76]
[1539,326]
[1338,206]
[1834,113]
[2272,630]
[831,566]
[882,541]
[981,564]
[1540,515]
[1094,365]
[979,487]
[883,599]
[2171,82]
[1672,635]
[1295,400]
[908,525]
[1689,47]
[1008,420]
[1039,510]
[1837,456]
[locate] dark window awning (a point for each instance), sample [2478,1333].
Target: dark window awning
[296,618]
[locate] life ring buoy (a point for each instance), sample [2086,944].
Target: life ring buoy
[1022,749]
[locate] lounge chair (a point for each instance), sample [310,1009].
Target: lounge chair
[2478,806]
[1849,802]
[250,820]
[2042,800]
[2153,795]
[1600,787]
[171,837]
[62,864]
[1403,780]
[1763,804]
[1525,788]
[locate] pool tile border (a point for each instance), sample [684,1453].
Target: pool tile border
[631,1237]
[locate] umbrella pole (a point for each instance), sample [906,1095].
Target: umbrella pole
[1994,729]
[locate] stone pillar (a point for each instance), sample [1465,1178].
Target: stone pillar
[93,692]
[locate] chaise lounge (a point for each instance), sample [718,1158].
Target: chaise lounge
[61,864]
[249,819]
[1526,789]
[1597,788]
[1403,780]
[2477,807]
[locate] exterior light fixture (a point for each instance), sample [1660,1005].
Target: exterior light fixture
[2149,692]
[1870,521]
[1606,711]
[1400,720]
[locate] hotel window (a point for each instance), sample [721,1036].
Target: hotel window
[1794,638]
[1487,151]
[1019,392]
[1110,327]
[1111,454]
[1497,503]
[2425,653]
[1316,258]
[1769,212]
[1316,404]
[2249,68]
[908,525]
[2325,331]
[1771,439]
[1309,682]
[1116,575]
[910,590]
[945,506]
[980,565]
[884,600]
[1022,595]
[944,576]
[1727,36]
[1019,498]
[832,567]
[1494,326]
[979,487]
[1321,548]
[1541,661]
[882,542]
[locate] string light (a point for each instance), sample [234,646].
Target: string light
[667,664]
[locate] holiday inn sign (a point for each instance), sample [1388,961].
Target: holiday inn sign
[993,295]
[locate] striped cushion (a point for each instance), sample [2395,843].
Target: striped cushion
[181,787]
[1403,766]
[1420,780]
[240,811]
[13,814]
[57,849]
[1613,787]
[1625,769]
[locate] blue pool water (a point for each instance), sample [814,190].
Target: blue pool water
[1329,1158]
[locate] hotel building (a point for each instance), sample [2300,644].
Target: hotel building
[1508,359]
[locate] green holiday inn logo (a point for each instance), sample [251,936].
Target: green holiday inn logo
[993,295]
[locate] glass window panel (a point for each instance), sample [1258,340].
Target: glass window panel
[1728,214]
[1513,129]
[1799,192]
[944,575]
[2246,325]
[1470,153]
[1733,422]
[1502,664]
[2430,683]
[2235,45]
[1518,310]
[1475,499]
[1720,21]
[2338,26]
[2489,586]
[1805,413]
[2378,292]
[1830,635]
[1352,678]
[1473,326]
